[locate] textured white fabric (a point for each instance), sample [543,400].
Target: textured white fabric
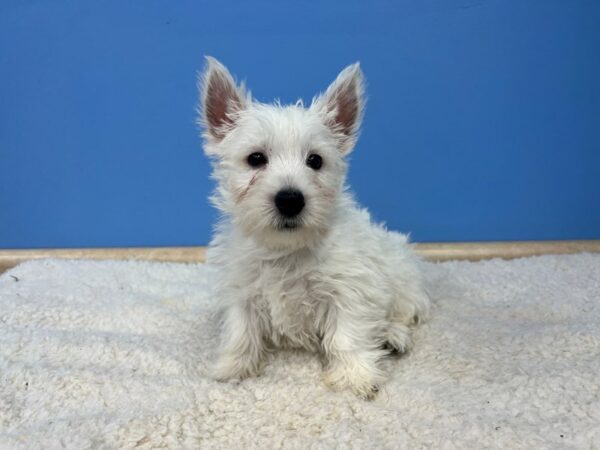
[115,354]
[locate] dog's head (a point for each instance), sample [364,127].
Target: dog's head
[280,169]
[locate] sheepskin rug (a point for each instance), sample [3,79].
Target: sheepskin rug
[115,354]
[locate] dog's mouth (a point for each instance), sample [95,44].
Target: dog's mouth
[288,225]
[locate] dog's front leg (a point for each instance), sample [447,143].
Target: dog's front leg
[353,357]
[242,344]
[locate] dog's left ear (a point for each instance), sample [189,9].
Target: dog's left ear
[342,106]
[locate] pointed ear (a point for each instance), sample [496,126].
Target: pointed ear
[221,100]
[343,104]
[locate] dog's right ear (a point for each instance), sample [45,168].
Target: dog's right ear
[221,100]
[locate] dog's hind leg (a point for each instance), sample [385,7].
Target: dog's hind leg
[410,308]
[397,338]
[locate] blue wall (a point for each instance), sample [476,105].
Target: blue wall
[483,120]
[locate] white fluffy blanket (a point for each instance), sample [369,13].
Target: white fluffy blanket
[114,354]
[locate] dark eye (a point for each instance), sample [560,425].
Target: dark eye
[257,159]
[314,161]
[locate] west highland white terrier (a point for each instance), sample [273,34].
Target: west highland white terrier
[299,264]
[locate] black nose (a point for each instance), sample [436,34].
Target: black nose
[289,202]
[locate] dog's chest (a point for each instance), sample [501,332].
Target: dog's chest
[293,305]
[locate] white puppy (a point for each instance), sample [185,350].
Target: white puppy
[300,264]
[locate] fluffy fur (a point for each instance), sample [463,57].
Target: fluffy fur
[327,280]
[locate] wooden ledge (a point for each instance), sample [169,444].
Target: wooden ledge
[472,251]
[475,251]
[10,258]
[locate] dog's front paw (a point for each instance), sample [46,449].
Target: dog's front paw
[227,368]
[363,381]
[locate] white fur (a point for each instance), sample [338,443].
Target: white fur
[337,283]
